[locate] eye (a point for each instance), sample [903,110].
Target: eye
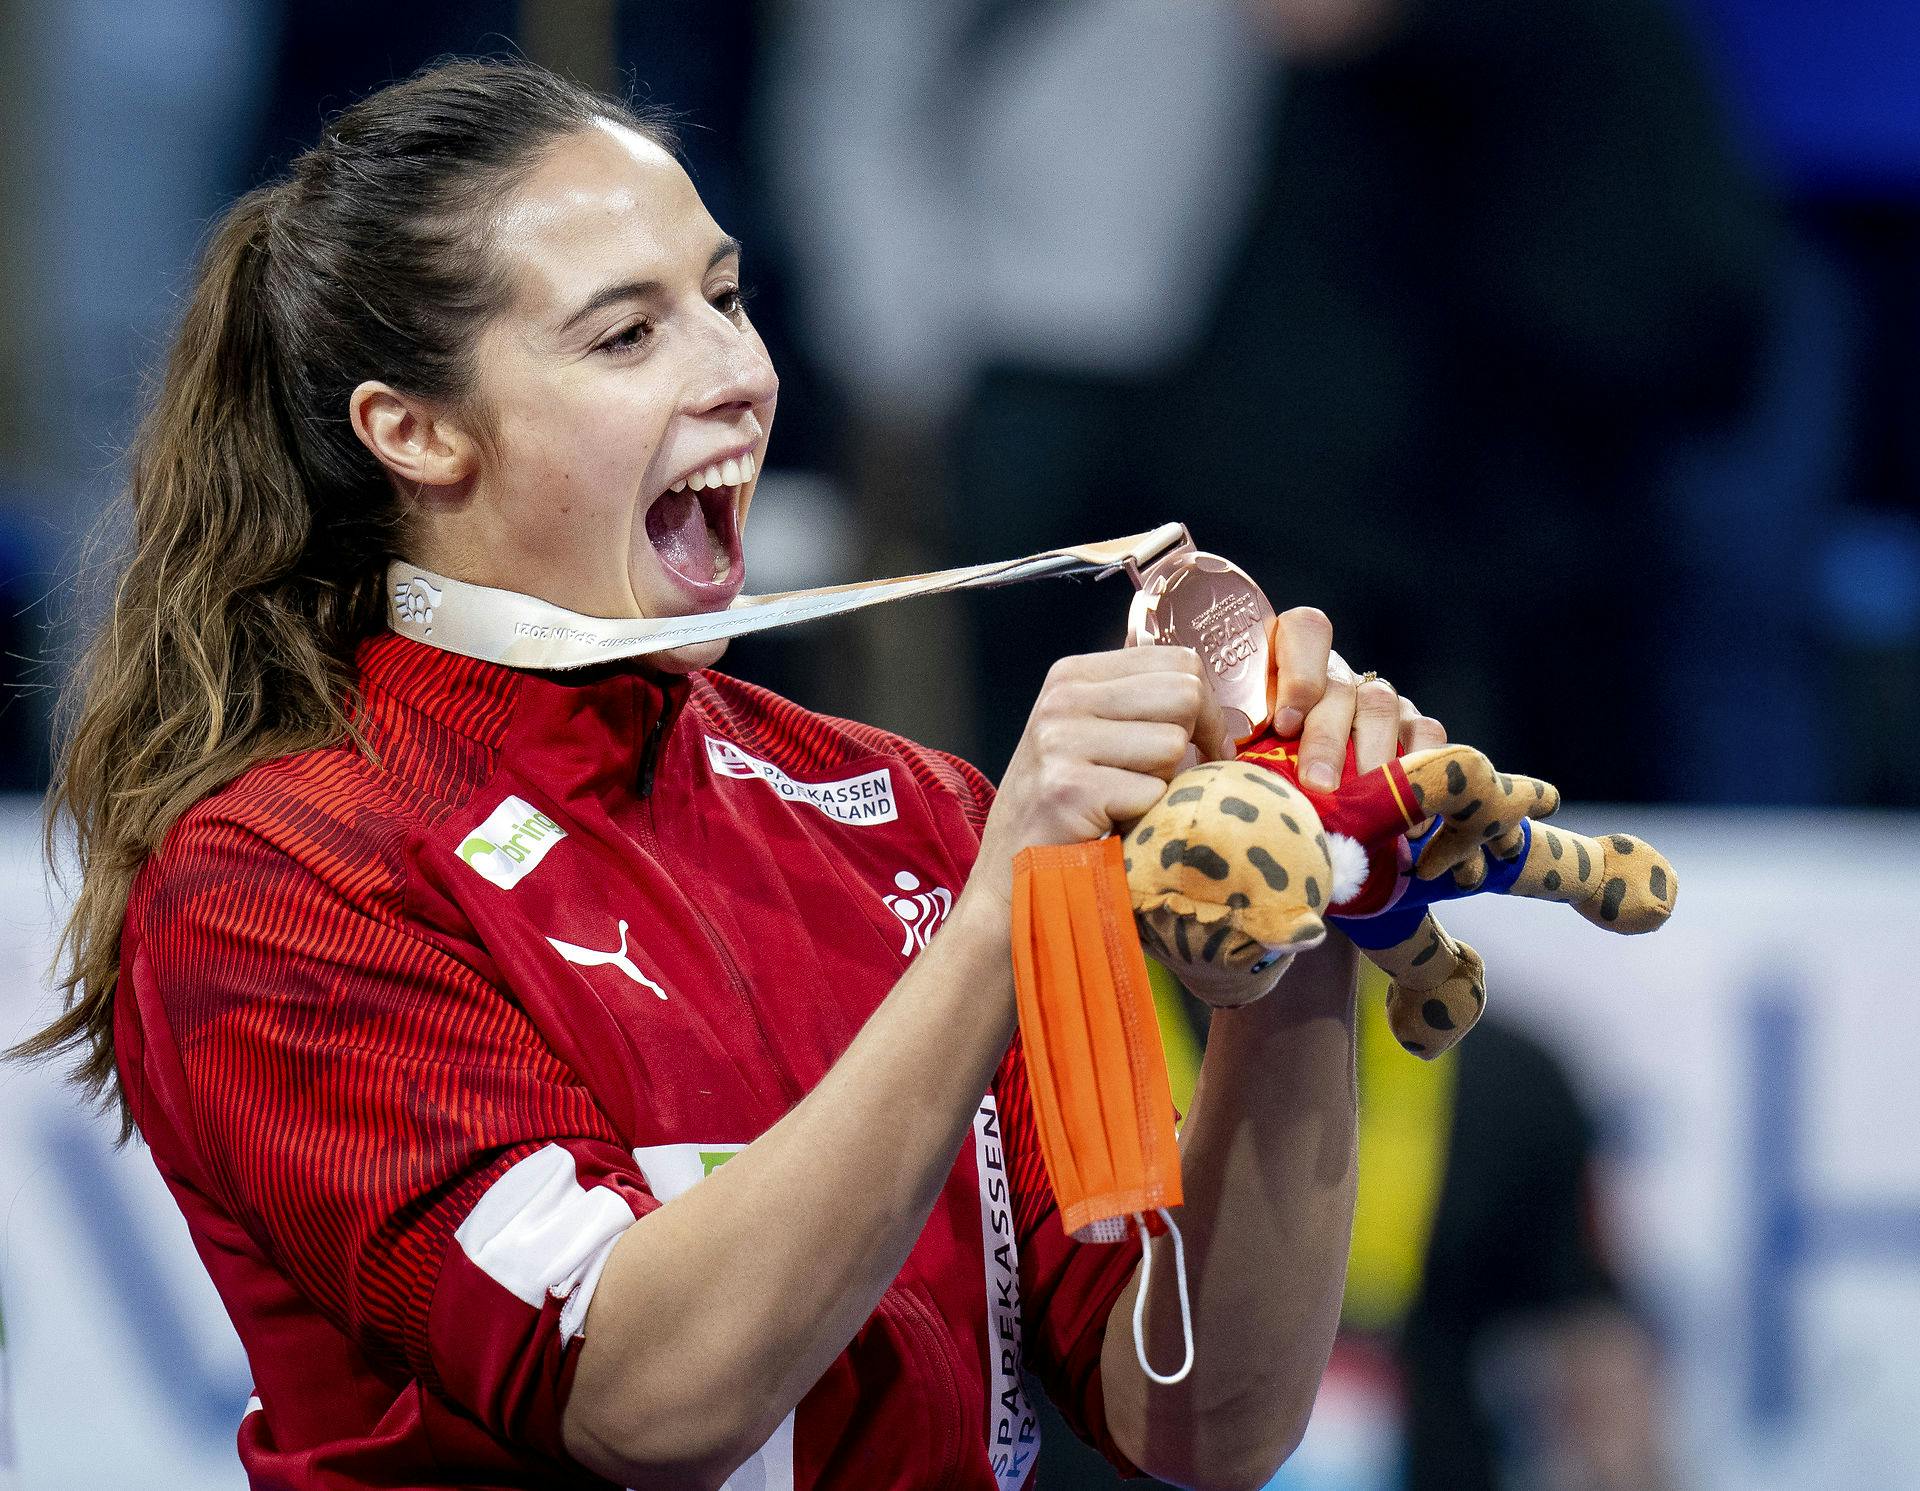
[731,301]
[628,340]
[1272,957]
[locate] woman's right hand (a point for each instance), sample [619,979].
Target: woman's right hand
[1108,732]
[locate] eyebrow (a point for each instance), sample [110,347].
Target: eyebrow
[641,289]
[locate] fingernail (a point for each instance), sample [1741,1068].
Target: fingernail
[1320,777]
[1288,722]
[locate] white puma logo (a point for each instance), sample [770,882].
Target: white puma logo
[587,957]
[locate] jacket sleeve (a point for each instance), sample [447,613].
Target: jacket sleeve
[384,1123]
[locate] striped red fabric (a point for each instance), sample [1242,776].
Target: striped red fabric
[336,1036]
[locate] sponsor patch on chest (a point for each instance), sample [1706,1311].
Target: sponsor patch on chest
[858,800]
[511,843]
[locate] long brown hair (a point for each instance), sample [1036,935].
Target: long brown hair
[261,526]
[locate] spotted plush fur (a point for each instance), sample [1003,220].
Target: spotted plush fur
[1479,808]
[1439,989]
[1230,876]
[1616,881]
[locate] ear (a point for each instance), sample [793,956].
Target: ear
[417,442]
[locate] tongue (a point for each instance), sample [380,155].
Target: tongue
[678,530]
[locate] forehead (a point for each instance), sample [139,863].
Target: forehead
[602,203]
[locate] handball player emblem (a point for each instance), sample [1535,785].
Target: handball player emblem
[414,600]
[920,911]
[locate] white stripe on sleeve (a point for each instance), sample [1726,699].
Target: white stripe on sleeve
[537,1232]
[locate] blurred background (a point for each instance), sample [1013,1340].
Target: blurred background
[1566,352]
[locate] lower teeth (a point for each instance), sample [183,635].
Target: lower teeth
[722,566]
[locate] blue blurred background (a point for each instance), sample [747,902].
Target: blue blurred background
[1566,352]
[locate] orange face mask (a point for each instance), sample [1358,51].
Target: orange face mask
[1094,1061]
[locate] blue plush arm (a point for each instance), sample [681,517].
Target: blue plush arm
[1399,921]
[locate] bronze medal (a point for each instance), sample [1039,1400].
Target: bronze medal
[1188,598]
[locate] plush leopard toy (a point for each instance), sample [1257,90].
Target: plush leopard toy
[1239,867]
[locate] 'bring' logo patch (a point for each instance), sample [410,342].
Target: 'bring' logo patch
[511,843]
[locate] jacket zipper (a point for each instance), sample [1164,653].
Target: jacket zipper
[650,754]
[915,1313]
[650,838]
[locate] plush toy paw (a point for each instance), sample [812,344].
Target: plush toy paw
[1229,875]
[1617,882]
[1439,989]
[1638,887]
[1478,806]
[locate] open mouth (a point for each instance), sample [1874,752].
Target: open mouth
[695,530]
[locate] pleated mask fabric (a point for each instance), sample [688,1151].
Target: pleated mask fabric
[1101,1098]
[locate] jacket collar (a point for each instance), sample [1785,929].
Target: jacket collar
[614,717]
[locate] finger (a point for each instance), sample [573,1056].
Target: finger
[1419,732]
[1302,646]
[1124,796]
[1323,739]
[1176,698]
[1125,662]
[1151,746]
[1376,724]
[1182,692]
[1210,735]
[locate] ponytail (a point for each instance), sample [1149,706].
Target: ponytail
[261,527]
[217,651]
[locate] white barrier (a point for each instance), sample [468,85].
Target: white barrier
[124,1370]
[1755,1060]
[1756,1057]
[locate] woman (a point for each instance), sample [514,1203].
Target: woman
[435,986]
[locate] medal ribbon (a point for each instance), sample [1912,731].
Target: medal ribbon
[502,626]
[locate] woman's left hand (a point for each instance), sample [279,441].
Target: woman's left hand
[1318,698]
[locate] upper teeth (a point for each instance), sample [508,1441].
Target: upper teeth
[728,473]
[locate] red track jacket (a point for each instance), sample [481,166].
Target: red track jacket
[413,1043]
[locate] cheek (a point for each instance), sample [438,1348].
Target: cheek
[588,438]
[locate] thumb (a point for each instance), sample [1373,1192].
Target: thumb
[1210,735]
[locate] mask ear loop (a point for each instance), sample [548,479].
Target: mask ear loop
[1140,1299]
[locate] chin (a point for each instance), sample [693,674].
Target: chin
[689,659]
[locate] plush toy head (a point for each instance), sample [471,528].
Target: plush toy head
[1229,876]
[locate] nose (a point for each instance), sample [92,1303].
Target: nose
[736,372]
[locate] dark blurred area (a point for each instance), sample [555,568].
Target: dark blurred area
[1566,353]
